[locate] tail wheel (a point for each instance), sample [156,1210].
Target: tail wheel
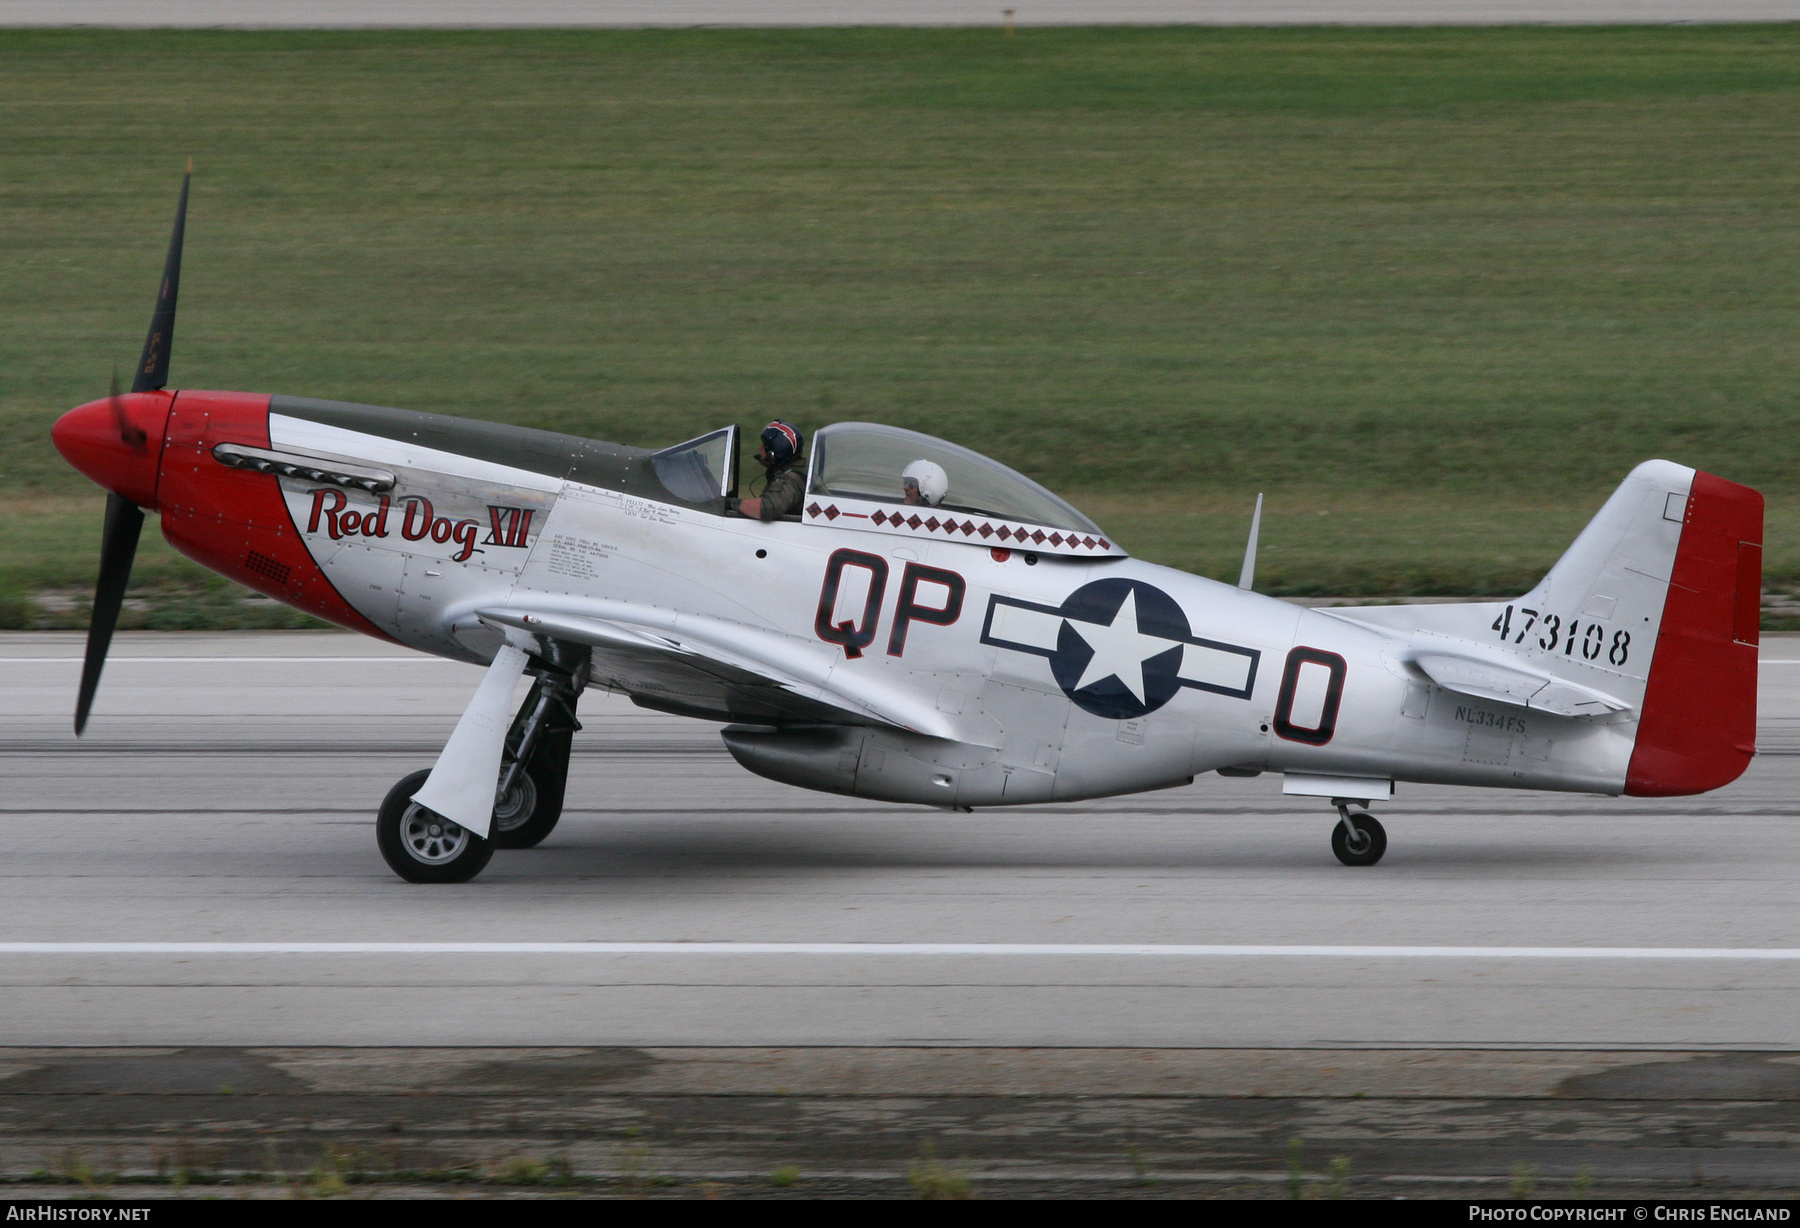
[422,846]
[1362,843]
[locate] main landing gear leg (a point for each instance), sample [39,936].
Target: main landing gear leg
[422,846]
[1358,839]
[535,769]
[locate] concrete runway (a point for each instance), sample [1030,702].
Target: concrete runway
[225,793]
[478,13]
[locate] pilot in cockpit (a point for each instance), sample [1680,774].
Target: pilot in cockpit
[783,454]
[924,483]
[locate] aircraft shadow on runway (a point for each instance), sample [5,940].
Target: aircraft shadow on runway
[613,850]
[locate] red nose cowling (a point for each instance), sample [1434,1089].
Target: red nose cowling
[117,442]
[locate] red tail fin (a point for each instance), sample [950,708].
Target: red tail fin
[1698,729]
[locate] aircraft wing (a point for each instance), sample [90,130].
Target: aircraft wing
[723,671]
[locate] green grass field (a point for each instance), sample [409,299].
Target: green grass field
[1435,291]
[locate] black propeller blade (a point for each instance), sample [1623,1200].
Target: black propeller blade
[118,546]
[125,519]
[153,367]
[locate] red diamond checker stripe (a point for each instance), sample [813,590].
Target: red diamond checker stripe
[968,528]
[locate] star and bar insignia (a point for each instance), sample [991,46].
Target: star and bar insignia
[1119,648]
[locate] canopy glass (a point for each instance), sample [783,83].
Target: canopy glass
[702,469]
[865,460]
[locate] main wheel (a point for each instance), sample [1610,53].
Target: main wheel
[1365,847]
[528,811]
[421,845]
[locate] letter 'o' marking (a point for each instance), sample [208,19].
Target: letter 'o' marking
[1312,686]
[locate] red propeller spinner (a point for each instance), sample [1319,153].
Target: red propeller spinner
[116,442]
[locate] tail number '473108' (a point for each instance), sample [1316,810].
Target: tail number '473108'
[1515,626]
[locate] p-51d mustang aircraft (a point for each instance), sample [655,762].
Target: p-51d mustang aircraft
[972,640]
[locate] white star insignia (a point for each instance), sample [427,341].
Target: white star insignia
[1120,649]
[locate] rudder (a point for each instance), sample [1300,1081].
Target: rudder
[1698,726]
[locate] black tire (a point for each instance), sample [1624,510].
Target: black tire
[529,812]
[1366,851]
[421,851]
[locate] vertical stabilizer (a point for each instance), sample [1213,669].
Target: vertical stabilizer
[1646,627]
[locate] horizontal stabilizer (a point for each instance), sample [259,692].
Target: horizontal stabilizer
[1469,672]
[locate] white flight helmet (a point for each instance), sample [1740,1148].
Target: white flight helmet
[930,478]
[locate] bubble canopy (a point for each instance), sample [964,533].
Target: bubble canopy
[864,460]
